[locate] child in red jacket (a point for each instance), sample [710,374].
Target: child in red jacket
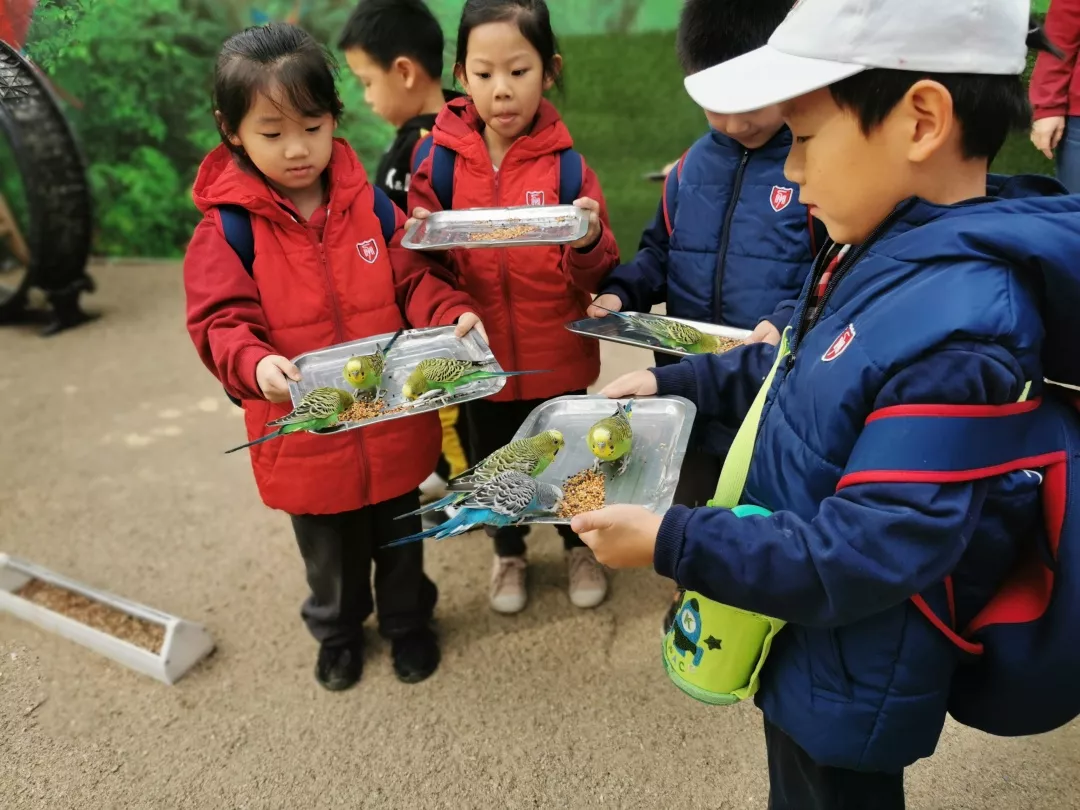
[322,275]
[508,140]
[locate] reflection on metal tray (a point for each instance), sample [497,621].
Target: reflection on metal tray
[326,368]
[620,330]
[661,433]
[498,227]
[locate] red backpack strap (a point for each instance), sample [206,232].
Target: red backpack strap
[671,193]
[960,443]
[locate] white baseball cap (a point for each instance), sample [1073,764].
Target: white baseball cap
[824,41]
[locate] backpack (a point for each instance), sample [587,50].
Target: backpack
[815,227]
[1021,653]
[236,223]
[571,172]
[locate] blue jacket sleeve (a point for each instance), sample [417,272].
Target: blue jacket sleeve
[642,282]
[870,546]
[723,386]
[785,310]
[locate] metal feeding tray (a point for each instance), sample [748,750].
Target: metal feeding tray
[326,367]
[620,330]
[661,434]
[498,227]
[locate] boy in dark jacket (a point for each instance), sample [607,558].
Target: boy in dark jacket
[925,296]
[730,243]
[395,49]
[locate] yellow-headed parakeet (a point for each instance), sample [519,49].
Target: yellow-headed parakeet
[365,372]
[612,438]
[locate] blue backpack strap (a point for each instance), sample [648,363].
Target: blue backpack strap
[422,150]
[956,443]
[236,223]
[571,176]
[442,175]
[387,212]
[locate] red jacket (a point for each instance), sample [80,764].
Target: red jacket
[1055,84]
[526,295]
[310,291]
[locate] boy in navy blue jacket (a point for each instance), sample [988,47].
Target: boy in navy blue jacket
[926,296]
[730,243]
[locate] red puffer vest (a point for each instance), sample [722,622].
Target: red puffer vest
[526,295]
[306,294]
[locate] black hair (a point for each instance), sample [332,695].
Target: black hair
[715,31]
[388,29]
[988,107]
[531,17]
[260,59]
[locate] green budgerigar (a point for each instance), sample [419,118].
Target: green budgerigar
[440,377]
[365,372]
[612,438]
[530,456]
[672,334]
[318,409]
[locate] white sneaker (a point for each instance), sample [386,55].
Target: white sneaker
[588,583]
[433,488]
[508,594]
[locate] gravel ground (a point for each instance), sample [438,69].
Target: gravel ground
[113,474]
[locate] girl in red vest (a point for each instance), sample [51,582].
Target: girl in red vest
[507,140]
[323,274]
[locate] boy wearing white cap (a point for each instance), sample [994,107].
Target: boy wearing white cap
[897,108]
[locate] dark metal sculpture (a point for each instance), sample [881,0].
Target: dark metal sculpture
[58,197]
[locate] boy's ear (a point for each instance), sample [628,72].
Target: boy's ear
[930,119]
[407,70]
[553,72]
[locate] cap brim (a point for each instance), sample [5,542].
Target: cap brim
[762,78]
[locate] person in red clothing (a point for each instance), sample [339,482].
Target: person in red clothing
[507,140]
[1055,94]
[322,275]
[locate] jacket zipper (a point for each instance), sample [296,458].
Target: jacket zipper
[725,236]
[806,322]
[504,285]
[339,333]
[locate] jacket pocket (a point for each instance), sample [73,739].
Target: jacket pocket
[828,677]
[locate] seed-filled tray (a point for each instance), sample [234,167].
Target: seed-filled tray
[634,333]
[326,367]
[661,428]
[498,227]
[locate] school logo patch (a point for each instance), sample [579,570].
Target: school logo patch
[839,346]
[534,198]
[369,250]
[781,198]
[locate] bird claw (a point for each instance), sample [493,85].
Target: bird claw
[623,465]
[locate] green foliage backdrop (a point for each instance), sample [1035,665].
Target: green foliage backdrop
[138,77]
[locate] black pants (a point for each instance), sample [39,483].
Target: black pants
[698,477]
[338,553]
[796,782]
[492,425]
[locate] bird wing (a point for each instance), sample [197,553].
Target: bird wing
[317,404]
[508,494]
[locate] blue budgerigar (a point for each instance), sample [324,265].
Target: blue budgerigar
[505,500]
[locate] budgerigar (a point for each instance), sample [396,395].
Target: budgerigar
[672,334]
[505,500]
[440,377]
[318,409]
[530,456]
[365,372]
[612,438]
